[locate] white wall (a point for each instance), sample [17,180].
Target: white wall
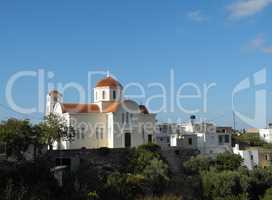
[87,137]
[250,156]
[98,94]
[137,121]
[266,135]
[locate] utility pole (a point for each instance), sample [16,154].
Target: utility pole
[234,121]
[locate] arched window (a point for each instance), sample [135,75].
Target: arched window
[103,94]
[114,94]
[127,117]
[123,118]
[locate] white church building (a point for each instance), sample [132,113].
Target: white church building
[110,121]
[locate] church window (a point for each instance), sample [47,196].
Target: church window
[101,133]
[114,94]
[97,133]
[123,118]
[103,94]
[82,133]
[78,134]
[127,117]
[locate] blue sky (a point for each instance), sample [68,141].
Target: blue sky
[202,41]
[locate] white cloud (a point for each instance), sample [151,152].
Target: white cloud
[245,8]
[197,16]
[260,44]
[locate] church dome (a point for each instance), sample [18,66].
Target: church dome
[108,82]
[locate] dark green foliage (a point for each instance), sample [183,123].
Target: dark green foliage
[228,161]
[221,185]
[250,139]
[104,151]
[146,172]
[150,147]
[197,164]
[28,181]
[268,194]
[124,186]
[17,134]
[223,178]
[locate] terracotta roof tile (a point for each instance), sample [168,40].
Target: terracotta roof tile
[113,107]
[80,108]
[108,82]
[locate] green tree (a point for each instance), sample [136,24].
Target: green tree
[198,164]
[268,194]
[220,185]
[55,128]
[228,161]
[17,134]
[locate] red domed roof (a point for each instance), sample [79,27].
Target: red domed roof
[108,82]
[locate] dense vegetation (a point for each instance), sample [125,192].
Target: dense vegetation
[223,178]
[249,140]
[139,174]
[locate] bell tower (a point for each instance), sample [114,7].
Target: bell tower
[107,89]
[53,98]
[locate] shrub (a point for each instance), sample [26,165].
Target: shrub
[150,147]
[197,164]
[165,197]
[228,161]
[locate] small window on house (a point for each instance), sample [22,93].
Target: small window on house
[101,133]
[251,157]
[227,139]
[103,94]
[220,139]
[114,94]
[96,95]
[190,141]
[97,133]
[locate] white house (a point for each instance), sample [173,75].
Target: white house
[110,121]
[250,156]
[174,135]
[210,139]
[266,134]
[254,156]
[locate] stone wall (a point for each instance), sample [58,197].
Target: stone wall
[114,157]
